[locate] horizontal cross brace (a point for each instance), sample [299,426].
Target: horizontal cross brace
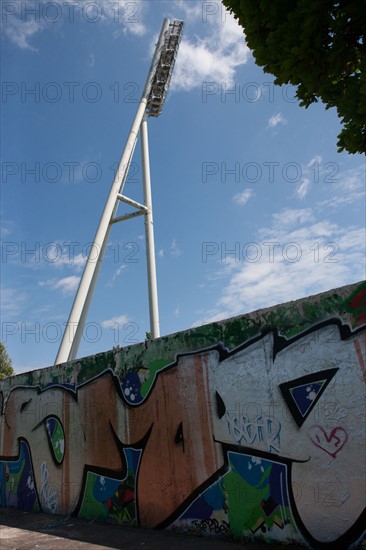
[127,217]
[131,202]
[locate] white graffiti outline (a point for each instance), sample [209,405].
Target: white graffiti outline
[263,430]
[47,496]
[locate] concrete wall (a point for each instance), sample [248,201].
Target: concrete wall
[252,428]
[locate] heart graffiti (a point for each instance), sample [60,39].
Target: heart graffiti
[331,443]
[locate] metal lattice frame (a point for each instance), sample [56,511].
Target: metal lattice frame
[164,69]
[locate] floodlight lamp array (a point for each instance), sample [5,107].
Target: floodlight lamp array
[164,69]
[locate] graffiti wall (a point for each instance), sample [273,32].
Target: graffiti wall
[252,428]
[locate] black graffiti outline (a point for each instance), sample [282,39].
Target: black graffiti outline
[279,343]
[286,387]
[119,475]
[43,423]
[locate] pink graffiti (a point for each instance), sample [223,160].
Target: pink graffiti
[331,443]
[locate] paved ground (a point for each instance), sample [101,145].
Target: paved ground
[28,531]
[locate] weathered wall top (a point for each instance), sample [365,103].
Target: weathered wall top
[288,319]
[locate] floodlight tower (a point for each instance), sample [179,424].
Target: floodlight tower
[151,104]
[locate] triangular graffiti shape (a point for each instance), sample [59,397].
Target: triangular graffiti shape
[302,394]
[305,395]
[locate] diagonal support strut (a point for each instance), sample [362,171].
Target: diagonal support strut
[151,104]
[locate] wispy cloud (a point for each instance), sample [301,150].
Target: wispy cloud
[67,285]
[138,28]
[115,275]
[191,11]
[60,256]
[52,255]
[12,302]
[115,322]
[310,172]
[91,62]
[243,197]
[5,228]
[127,16]
[174,249]
[346,188]
[292,216]
[337,202]
[20,32]
[303,188]
[276,119]
[317,159]
[297,255]
[19,28]
[351,180]
[213,58]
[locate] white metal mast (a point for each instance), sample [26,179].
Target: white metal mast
[151,104]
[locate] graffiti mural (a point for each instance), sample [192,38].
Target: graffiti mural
[265,440]
[17,486]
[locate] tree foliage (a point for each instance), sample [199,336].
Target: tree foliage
[5,363]
[318,46]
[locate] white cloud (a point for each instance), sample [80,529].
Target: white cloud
[161,253]
[276,119]
[116,274]
[118,321]
[243,197]
[296,256]
[212,59]
[350,180]
[4,231]
[12,302]
[128,14]
[26,18]
[317,159]
[292,216]
[67,285]
[139,29]
[59,256]
[336,202]
[174,249]
[310,172]
[91,60]
[345,187]
[53,255]
[21,31]
[303,189]
[192,11]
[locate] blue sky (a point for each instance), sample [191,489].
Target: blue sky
[253,206]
